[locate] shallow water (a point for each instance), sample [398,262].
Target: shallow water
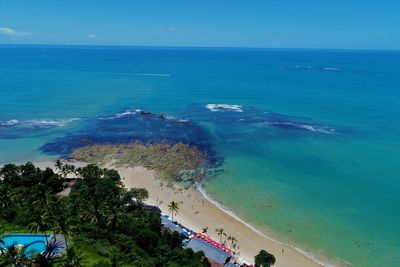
[311,147]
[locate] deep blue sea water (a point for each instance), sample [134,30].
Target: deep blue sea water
[309,139]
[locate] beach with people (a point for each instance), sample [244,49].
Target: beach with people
[201,215]
[198,212]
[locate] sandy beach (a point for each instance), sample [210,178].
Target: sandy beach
[196,212]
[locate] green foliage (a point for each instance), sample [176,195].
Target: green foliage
[99,215]
[221,233]
[14,256]
[102,263]
[73,258]
[173,207]
[264,259]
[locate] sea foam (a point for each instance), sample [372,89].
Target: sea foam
[309,127]
[9,123]
[224,107]
[38,123]
[122,114]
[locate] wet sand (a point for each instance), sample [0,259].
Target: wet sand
[196,212]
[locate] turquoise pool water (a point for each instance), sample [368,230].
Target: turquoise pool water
[33,243]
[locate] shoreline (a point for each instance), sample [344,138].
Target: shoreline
[226,210]
[195,201]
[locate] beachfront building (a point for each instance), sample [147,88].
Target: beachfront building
[216,256]
[172,227]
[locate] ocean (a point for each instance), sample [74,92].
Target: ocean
[306,141]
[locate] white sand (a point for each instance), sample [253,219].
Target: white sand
[196,212]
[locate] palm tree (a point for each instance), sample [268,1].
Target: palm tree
[113,218]
[40,223]
[14,256]
[221,233]
[234,248]
[233,241]
[138,194]
[2,242]
[48,257]
[173,207]
[62,221]
[204,230]
[58,165]
[74,258]
[91,213]
[72,169]
[67,169]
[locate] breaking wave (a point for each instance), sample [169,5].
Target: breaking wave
[233,114]
[37,123]
[153,74]
[224,107]
[309,67]
[9,123]
[122,114]
[332,68]
[309,127]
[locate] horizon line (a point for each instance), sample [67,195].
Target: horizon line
[205,47]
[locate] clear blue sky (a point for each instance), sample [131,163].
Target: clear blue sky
[370,24]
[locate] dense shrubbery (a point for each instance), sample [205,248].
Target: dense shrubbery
[99,215]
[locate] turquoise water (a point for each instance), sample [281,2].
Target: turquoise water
[33,243]
[313,154]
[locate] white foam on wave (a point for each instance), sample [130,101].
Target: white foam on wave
[172,118]
[128,112]
[224,107]
[131,112]
[332,68]
[154,74]
[50,123]
[90,72]
[10,123]
[309,127]
[39,123]
[318,129]
[309,255]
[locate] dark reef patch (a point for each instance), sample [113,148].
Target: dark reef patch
[203,126]
[134,127]
[223,114]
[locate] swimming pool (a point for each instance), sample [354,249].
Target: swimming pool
[33,243]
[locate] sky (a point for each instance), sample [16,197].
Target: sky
[336,24]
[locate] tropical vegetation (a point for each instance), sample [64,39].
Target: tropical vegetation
[104,223]
[264,259]
[173,207]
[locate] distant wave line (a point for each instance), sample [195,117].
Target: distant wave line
[95,72]
[38,123]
